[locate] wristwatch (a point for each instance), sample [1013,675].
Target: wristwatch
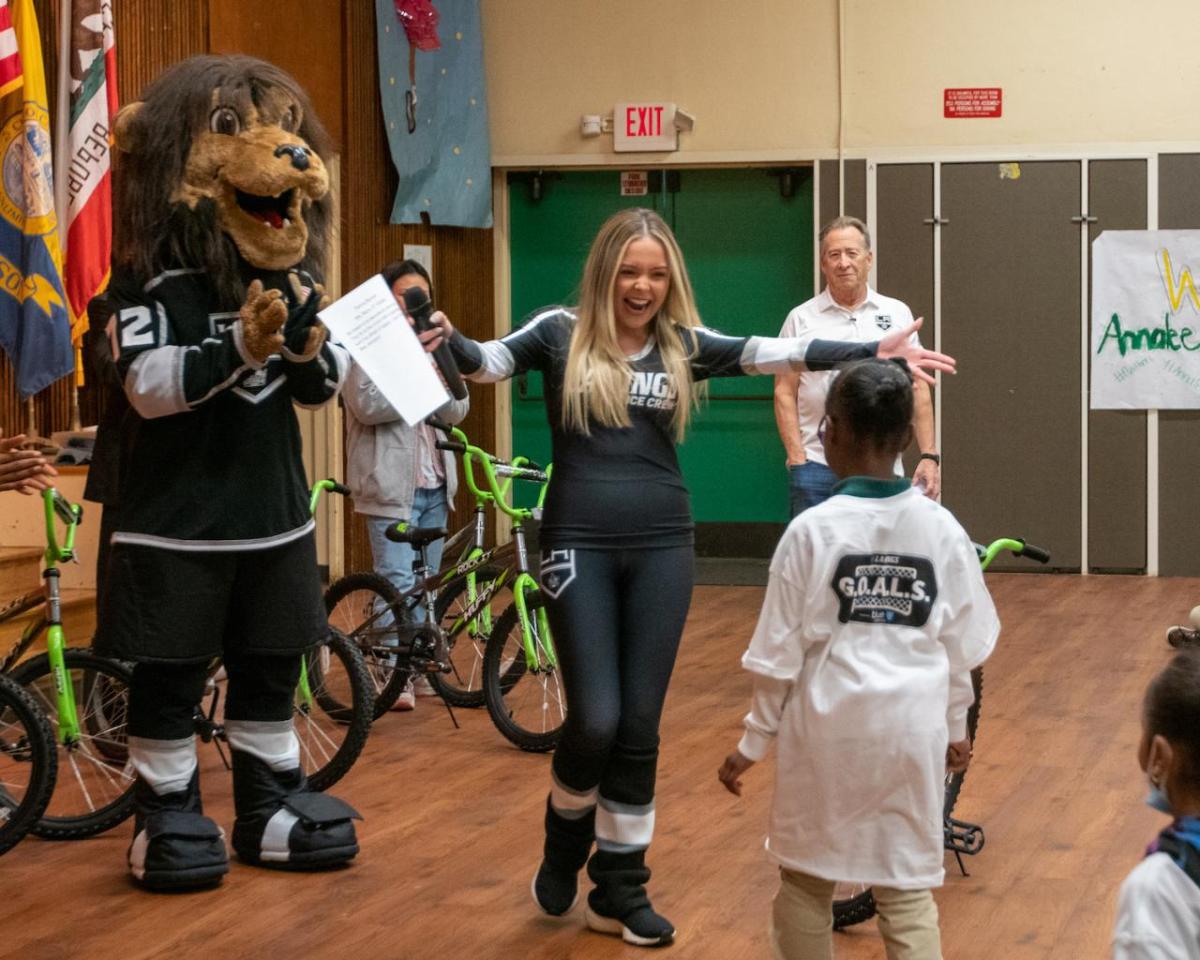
[935,457]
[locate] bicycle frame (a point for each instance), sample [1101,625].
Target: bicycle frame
[71,514]
[497,493]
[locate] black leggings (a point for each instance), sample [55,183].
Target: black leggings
[163,696]
[616,621]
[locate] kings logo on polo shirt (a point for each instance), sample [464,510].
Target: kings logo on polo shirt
[883,321]
[884,588]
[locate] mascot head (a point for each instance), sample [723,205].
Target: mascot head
[222,157]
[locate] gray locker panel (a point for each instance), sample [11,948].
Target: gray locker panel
[904,245]
[1011,315]
[856,190]
[1116,438]
[1178,431]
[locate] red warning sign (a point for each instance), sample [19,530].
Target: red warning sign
[962,102]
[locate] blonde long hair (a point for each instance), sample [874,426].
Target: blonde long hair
[598,374]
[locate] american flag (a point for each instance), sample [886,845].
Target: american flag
[10,56]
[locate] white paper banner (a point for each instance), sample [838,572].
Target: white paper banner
[1146,320]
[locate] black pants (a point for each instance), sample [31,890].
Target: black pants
[616,617]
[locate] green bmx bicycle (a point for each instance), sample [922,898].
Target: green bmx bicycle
[85,698]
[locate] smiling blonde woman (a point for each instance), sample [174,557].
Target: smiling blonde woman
[622,373]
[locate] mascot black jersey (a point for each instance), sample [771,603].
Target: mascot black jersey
[621,486]
[204,409]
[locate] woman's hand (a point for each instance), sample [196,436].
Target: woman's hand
[25,471]
[731,771]
[437,334]
[920,360]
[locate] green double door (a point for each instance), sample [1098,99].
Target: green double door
[749,252]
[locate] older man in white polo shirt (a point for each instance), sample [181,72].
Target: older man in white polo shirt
[847,309]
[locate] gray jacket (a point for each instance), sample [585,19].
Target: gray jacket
[381,450]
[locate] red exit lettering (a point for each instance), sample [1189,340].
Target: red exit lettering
[643,121]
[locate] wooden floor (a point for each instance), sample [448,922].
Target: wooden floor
[452,830]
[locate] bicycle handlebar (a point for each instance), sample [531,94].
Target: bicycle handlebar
[71,514]
[493,468]
[330,485]
[1017,547]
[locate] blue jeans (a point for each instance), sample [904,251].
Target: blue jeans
[395,560]
[811,483]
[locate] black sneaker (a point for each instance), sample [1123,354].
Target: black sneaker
[1183,637]
[641,927]
[554,891]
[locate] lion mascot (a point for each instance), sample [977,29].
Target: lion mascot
[222,218]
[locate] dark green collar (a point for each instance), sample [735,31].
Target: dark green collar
[872,487]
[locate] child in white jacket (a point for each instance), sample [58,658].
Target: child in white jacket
[875,614]
[1158,911]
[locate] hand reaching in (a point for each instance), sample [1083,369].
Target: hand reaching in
[920,361]
[25,471]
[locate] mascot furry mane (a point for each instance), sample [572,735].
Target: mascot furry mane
[222,160]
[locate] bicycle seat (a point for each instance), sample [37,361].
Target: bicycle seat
[417,536]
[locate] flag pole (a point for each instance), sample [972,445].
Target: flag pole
[61,164]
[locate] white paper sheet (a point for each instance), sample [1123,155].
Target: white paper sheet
[371,325]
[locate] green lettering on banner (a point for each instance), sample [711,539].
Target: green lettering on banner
[1165,337]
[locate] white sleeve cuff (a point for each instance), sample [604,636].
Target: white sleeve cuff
[754,745]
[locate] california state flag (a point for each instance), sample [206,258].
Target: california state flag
[87,101]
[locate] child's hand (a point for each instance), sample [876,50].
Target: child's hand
[734,766]
[958,756]
[25,471]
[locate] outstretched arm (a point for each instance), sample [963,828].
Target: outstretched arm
[527,348]
[717,355]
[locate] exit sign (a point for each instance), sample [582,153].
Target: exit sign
[644,127]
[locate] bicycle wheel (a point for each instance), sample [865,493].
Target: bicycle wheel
[527,705]
[332,725]
[467,639]
[855,903]
[366,608]
[28,762]
[94,791]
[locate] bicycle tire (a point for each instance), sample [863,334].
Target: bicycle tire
[463,685]
[509,689]
[861,907]
[325,758]
[26,743]
[348,614]
[102,704]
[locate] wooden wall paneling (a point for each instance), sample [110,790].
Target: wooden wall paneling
[309,46]
[153,34]
[462,258]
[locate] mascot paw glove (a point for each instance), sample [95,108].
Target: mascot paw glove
[303,334]
[262,316]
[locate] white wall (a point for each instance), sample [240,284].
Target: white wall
[762,76]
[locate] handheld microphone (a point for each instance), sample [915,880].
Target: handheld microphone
[419,307]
